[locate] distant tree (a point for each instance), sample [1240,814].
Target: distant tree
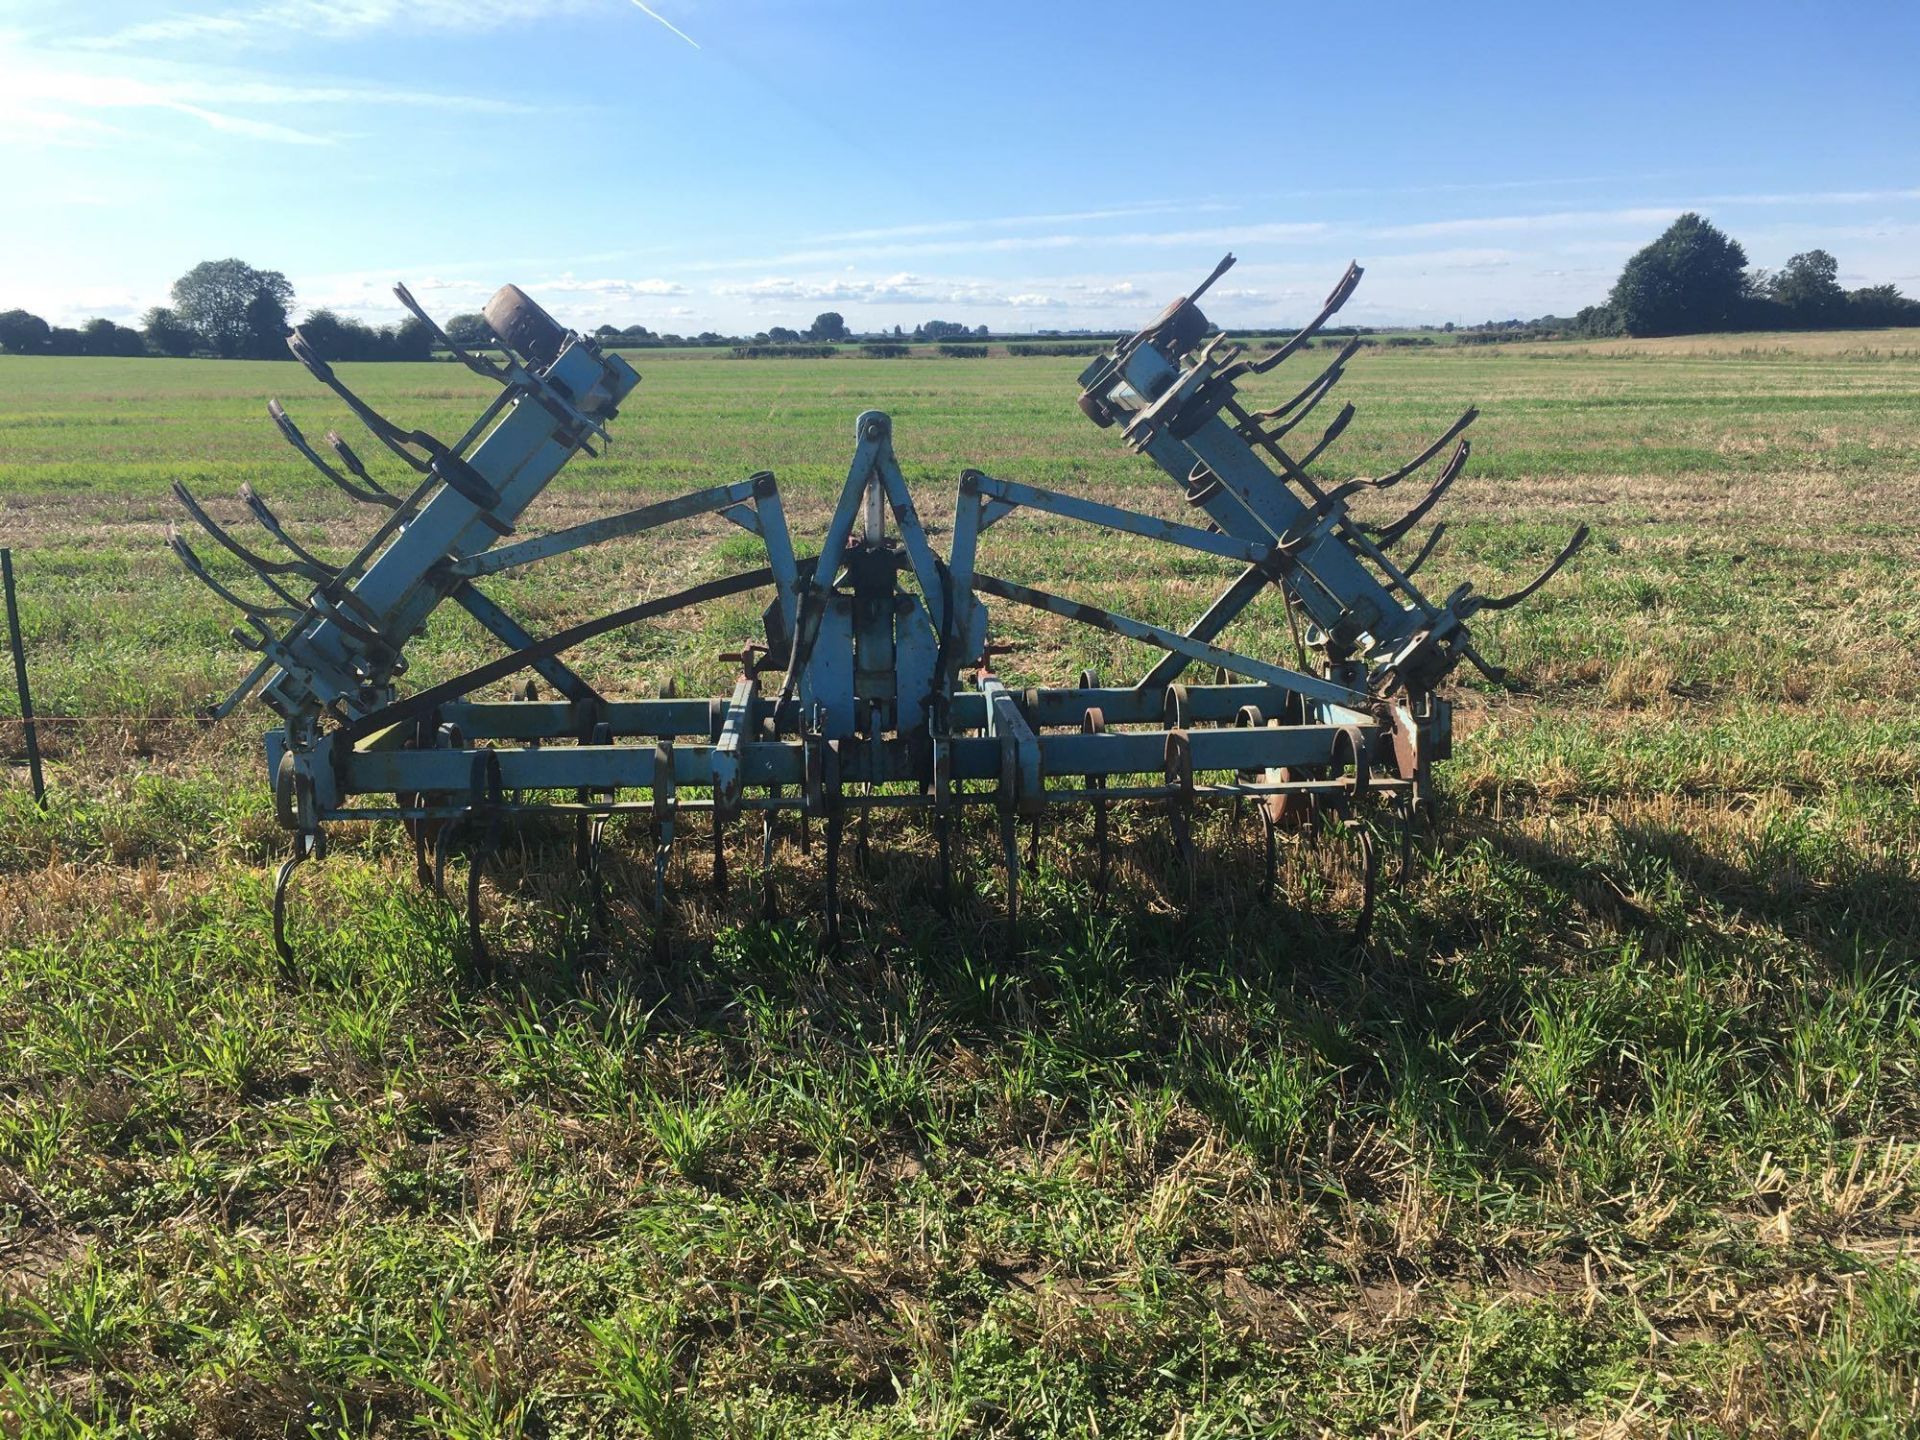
[828,325]
[1601,320]
[101,336]
[781,335]
[1809,286]
[1881,305]
[409,340]
[234,308]
[941,330]
[267,328]
[64,340]
[165,334]
[981,331]
[471,329]
[23,334]
[1692,279]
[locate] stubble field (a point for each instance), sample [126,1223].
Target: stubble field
[1614,1128]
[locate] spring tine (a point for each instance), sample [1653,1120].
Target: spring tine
[384,430]
[305,847]
[259,564]
[1179,776]
[1226,264]
[835,823]
[943,843]
[488,368]
[1315,391]
[1268,829]
[769,838]
[1477,603]
[1386,535]
[195,567]
[1033,844]
[1010,858]
[442,847]
[1094,722]
[665,803]
[719,853]
[378,494]
[422,871]
[1394,477]
[1339,296]
[1433,538]
[270,522]
[1331,434]
[299,442]
[1369,879]
[486,786]
[1405,809]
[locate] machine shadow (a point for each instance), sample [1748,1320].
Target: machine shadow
[1182,981]
[1260,1016]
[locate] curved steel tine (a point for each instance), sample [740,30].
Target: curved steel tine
[281,880]
[1412,568]
[442,847]
[305,847]
[1369,879]
[1268,829]
[1386,535]
[1311,395]
[259,564]
[1094,722]
[835,823]
[1010,858]
[474,363]
[299,442]
[197,568]
[1331,434]
[384,430]
[769,838]
[943,846]
[378,493]
[1339,296]
[1394,477]
[1477,603]
[1226,264]
[665,802]
[270,522]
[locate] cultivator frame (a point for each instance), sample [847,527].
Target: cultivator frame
[888,696]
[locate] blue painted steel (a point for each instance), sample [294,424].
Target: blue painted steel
[889,679]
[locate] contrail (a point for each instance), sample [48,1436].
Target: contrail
[656,15]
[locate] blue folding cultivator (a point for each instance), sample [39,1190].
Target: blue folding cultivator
[885,696]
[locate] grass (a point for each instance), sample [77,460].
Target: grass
[1613,1131]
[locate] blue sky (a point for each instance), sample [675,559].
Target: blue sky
[734,164]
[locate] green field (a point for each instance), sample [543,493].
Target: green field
[1613,1130]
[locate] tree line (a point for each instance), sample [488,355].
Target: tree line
[1695,278]
[222,308]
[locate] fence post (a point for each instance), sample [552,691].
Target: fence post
[20,679]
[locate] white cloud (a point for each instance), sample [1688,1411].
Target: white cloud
[1015,222]
[616,289]
[328,19]
[63,98]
